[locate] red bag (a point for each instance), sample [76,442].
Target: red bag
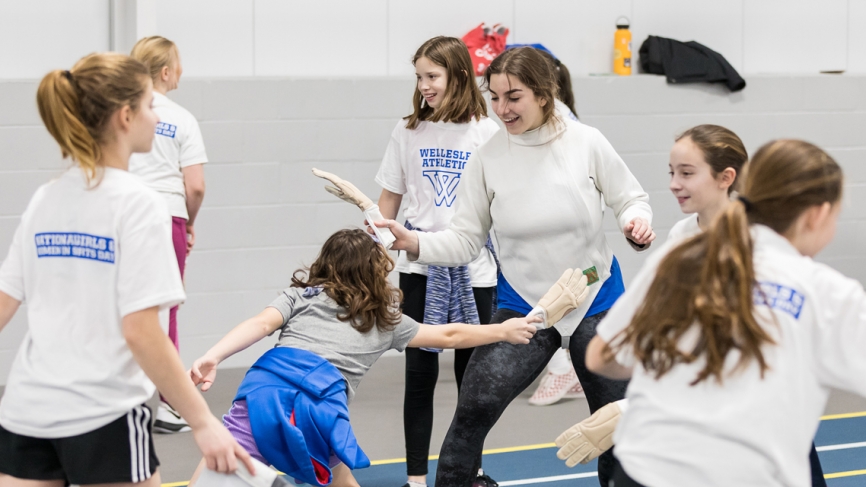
[485,43]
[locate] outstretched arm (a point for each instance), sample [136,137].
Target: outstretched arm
[241,337]
[8,307]
[457,335]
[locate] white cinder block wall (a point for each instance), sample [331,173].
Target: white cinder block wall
[265,215]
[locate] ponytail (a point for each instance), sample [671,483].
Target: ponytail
[76,105]
[59,107]
[783,180]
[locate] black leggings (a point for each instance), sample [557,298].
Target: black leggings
[497,374]
[422,372]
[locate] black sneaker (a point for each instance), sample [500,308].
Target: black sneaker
[484,480]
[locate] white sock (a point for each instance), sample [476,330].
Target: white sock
[559,363]
[412,483]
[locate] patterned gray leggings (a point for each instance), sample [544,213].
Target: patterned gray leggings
[498,373]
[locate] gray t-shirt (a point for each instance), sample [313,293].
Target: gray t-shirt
[310,323]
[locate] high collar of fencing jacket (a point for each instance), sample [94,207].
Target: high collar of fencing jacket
[548,132]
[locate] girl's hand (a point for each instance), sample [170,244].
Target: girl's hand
[220,450]
[519,331]
[639,231]
[203,372]
[406,239]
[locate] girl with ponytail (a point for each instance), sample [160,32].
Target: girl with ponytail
[92,258]
[733,337]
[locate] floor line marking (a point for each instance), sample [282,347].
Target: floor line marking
[843,416]
[540,446]
[542,480]
[842,446]
[839,475]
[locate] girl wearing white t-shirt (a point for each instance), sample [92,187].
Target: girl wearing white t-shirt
[721,333]
[175,169]
[92,260]
[423,165]
[540,185]
[705,163]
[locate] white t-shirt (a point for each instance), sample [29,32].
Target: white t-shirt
[426,165]
[680,435]
[685,228]
[178,144]
[82,259]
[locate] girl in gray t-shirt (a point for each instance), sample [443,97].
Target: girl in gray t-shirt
[344,309]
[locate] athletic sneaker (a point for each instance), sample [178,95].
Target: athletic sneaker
[169,421]
[484,480]
[575,392]
[553,387]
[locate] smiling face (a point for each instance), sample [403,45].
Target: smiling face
[692,180]
[432,81]
[515,104]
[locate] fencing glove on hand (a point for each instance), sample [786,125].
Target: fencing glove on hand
[591,437]
[347,191]
[565,295]
[264,477]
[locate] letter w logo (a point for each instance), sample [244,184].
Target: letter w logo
[445,184]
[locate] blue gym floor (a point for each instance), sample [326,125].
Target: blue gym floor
[841,442]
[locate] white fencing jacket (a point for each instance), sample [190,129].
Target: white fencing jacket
[543,194]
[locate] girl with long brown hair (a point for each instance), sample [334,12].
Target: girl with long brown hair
[541,186]
[92,258]
[422,170]
[737,335]
[345,312]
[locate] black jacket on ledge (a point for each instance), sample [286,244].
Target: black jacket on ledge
[687,62]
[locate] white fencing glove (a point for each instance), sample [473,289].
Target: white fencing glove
[565,295]
[264,477]
[347,191]
[591,437]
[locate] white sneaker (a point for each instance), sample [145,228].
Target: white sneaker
[169,421]
[575,392]
[553,388]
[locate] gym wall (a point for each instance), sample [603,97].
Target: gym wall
[265,215]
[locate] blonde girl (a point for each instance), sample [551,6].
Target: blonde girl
[175,169]
[92,259]
[729,326]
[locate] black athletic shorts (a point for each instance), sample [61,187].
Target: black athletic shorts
[121,451]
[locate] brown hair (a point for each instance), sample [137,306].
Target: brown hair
[533,70]
[709,280]
[721,148]
[156,52]
[353,270]
[563,80]
[462,100]
[76,105]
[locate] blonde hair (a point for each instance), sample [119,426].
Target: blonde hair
[155,52]
[462,99]
[76,105]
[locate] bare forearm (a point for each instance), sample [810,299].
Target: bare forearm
[601,362]
[158,358]
[246,334]
[8,307]
[459,335]
[389,204]
[194,200]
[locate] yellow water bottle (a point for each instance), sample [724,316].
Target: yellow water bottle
[622,48]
